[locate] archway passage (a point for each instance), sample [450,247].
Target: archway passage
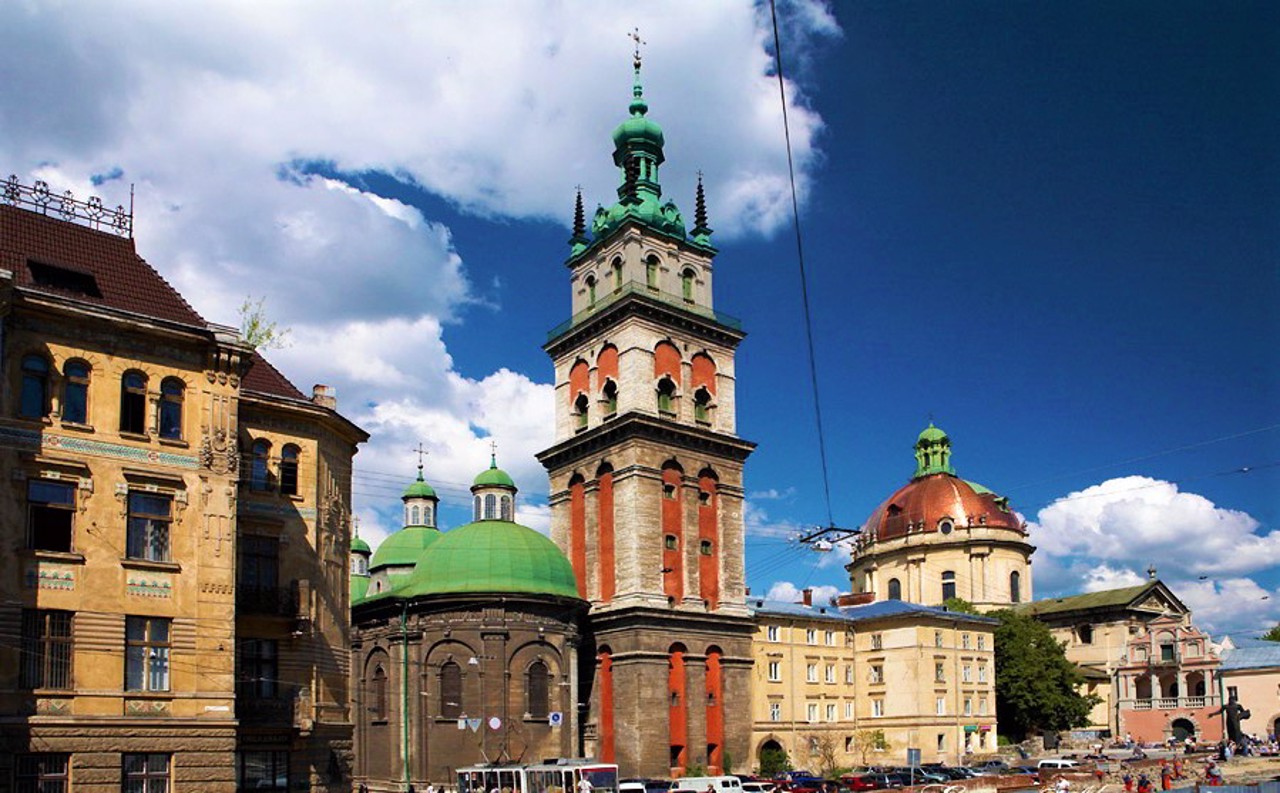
[1183,729]
[772,747]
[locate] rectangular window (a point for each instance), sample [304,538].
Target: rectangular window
[811,636]
[942,742]
[982,673]
[830,638]
[47,772]
[264,771]
[258,669]
[812,712]
[968,706]
[771,633]
[50,509]
[966,673]
[775,711]
[877,707]
[146,654]
[146,773]
[877,641]
[46,649]
[939,673]
[982,642]
[941,705]
[982,706]
[258,577]
[149,518]
[1166,652]
[775,671]
[830,673]
[831,711]
[848,673]
[964,640]
[937,638]
[811,673]
[877,673]
[848,711]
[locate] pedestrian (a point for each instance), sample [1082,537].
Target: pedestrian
[1166,777]
[1063,786]
[1128,782]
[1144,784]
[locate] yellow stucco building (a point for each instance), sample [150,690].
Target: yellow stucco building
[173,591]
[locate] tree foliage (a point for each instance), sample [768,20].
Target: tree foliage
[256,329]
[867,741]
[823,753]
[1037,688]
[960,606]
[773,762]
[1272,635]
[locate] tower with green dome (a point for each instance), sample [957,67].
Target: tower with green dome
[398,553]
[646,471]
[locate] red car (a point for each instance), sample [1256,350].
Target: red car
[860,782]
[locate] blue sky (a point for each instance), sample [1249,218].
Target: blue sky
[1051,227]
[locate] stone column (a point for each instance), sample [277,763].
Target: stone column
[1156,692]
[1182,686]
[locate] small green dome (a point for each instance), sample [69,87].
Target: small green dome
[358,545]
[492,556]
[493,476]
[638,129]
[404,547]
[419,489]
[932,433]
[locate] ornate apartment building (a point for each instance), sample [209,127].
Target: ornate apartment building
[173,587]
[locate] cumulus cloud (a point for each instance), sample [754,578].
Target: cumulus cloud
[788,592]
[1231,605]
[221,119]
[1104,577]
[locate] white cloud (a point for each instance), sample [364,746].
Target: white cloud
[787,592]
[497,108]
[1236,605]
[1103,577]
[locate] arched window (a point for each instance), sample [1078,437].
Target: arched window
[133,403]
[476,511]
[450,690]
[428,516]
[171,391]
[702,406]
[591,290]
[34,402]
[378,700]
[666,395]
[617,275]
[259,475]
[289,470]
[1015,587]
[686,285]
[537,685]
[580,406]
[414,515]
[75,392]
[491,507]
[895,589]
[610,392]
[948,585]
[507,512]
[651,272]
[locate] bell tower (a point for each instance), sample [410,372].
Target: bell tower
[647,474]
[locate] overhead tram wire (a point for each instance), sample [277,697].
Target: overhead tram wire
[804,279]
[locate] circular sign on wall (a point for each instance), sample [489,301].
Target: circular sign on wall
[495,723]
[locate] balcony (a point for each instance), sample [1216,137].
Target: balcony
[652,293]
[1169,703]
[266,601]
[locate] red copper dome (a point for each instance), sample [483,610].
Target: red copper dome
[925,504]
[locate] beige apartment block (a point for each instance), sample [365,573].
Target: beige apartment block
[128,591]
[830,676]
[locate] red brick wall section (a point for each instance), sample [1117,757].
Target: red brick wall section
[704,372]
[606,366]
[708,531]
[715,713]
[579,380]
[678,721]
[578,532]
[604,523]
[672,526]
[666,360]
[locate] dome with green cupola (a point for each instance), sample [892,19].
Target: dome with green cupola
[496,556]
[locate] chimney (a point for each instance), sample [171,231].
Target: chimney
[748,593]
[326,396]
[807,594]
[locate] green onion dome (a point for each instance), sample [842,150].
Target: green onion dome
[358,545]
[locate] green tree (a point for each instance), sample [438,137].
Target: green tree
[1037,688]
[823,753]
[960,606]
[1272,635]
[258,331]
[774,762]
[867,741]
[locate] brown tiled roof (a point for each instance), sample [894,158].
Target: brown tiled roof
[122,278]
[264,378]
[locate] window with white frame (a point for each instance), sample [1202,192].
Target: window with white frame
[830,638]
[982,706]
[877,673]
[939,672]
[877,641]
[966,673]
[146,654]
[831,711]
[830,673]
[968,706]
[775,711]
[941,705]
[812,712]
[771,633]
[848,710]
[848,674]
[982,642]
[877,707]
[811,636]
[964,640]
[982,673]
[811,673]
[775,671]
[937,638]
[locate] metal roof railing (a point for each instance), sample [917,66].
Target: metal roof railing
[643,290]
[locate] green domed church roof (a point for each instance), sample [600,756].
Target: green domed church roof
[404,547]
[493,476]
[359,586]
[492,556]
[419,488]
[358,545]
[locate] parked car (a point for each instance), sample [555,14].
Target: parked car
[1029,770]
[883,781]
[1053,762]
[920,776]
[758,787]
[991,767]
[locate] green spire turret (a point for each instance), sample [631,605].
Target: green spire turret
[933,453]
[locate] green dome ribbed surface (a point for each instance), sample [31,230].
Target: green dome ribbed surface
[404,547]
[358,545]
[494,477]
[492,556]
[419,489]
[932,433]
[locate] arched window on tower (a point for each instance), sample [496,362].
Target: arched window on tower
[75,392]
[591,291]
[415,515]
[1015,587]
[948,585]
[289,470]
[428,515]
[580,406]
[702,406]
[450,690]
[477,511]
[507,512]
[537,690]
[617,275]
[895,589]
[666,396]
[651,272]
[378,695]
[686,285]
[610,392]
[34,400]
[491,507]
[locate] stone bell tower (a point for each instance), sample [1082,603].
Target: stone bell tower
[647,475]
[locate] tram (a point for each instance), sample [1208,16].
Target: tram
[557,776]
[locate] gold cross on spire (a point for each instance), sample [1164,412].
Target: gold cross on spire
[634,35]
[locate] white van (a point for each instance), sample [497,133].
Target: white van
[700,784]
[1056,763]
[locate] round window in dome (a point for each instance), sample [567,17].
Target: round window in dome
[946,525]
